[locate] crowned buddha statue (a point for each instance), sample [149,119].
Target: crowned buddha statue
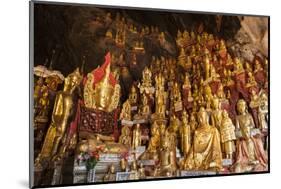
[251,82]
[62,113]
[101,98]
[227,132]
[250,154]
[176,98]
[146,85]
[205,153]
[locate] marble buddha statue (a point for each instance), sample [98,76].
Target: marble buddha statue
[205,153]
[62,112]
[101,89]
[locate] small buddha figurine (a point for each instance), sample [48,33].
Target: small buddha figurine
[110,175]
[254,105]
[123,164]
[146,85]
[251,81]
[185,132]
[227,131]
[177,97]
[141,171]
[250,153]
[133,96]
[179,39]
[208,96]
[43,103]
[259,73]
[238,67]
[248,67]
[144,110]
[60,118]
[207,67]
[134,170]
[205,153]
[136,137]
[37,90]
[125,137]
[263,111]
[216,116]
[108,34]
[229,61]
[154,143]
[167,154]
[222,49]
[126,111]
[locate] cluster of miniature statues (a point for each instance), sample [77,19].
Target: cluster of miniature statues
[204,110]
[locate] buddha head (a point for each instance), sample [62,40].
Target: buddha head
[104,91]
[241,106]
[203,117]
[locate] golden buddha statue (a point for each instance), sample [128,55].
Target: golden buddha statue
[227,131]
[177,97]
[125,137]
[182,57]
[222,49]
[126,111]
[167,155]
[258,66]
[154,143]
[216,116]
[98,141]
[248,67]
[108,34]
[141,171]
[60,118]
[134,170]
[136,137]
[133,96]
[43,104]
[37,89]
[146,85]
[185,134]
[250,153]
[238,66]
[208,96]
[229,61]
[205,153]
[110,175]
[207,67]
[251,81]
[101,90]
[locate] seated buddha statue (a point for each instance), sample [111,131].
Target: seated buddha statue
[133,96]
[146,85]
[62,112]
[250,153]
[154,143]
[205,153]
[126,111]
[144,110]
[125,137]
[101,98]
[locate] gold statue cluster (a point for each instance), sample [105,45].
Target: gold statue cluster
[202,111]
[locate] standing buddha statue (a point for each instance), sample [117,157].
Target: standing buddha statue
[62,112]
[136,137]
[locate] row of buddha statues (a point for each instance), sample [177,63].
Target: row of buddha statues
[204,110]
